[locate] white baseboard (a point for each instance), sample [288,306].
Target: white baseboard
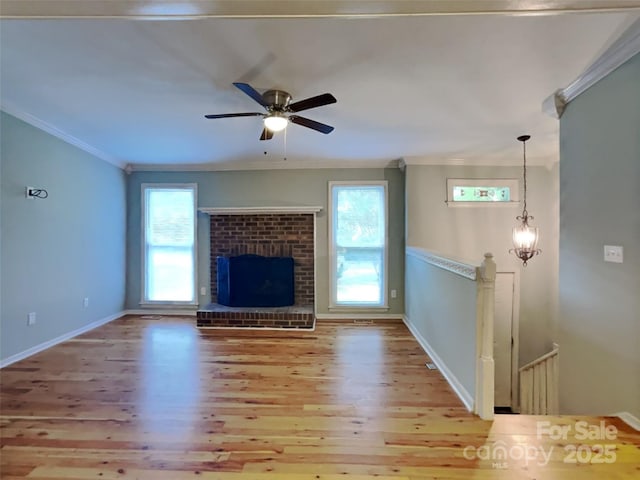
[55,341]
[359,316]
[161,311]
[629,419]
[462,392]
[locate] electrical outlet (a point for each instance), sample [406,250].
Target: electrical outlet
[203,291]
[86,302]
[27,193]
[31,318]
[394,293]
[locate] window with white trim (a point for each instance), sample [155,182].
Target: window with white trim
[358,243]
[169,243]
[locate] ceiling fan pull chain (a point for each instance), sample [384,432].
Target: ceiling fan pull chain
[285,144]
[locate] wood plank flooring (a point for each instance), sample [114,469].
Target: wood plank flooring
[155,398]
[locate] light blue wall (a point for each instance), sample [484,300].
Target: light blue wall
[599,317]
[57,251]
[268,188]
[441,305]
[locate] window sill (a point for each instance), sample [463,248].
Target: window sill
[481,204]
[168,304]
[357,308]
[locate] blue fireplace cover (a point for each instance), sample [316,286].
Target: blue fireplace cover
[255,281]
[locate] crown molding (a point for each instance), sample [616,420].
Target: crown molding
[261,165]
[193,9]
[438,161]
[554,104]
[65,137]
[475,162]
[622,50]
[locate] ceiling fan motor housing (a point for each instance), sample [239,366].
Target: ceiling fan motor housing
[277,99]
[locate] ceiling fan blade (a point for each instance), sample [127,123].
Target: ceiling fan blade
[305,122]
[229,115]
[266,134]
[313,102]
[252,92]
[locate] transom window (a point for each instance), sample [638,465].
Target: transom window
[481,194]
[358,243]
[469,191]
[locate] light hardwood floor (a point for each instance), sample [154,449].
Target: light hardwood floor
[157,399]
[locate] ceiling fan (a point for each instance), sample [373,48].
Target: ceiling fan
[279,109]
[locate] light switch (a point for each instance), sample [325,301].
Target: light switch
[613,253]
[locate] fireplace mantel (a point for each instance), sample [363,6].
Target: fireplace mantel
[259,210]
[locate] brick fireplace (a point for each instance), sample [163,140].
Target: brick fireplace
[279,232]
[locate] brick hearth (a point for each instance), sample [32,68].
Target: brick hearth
[215,315]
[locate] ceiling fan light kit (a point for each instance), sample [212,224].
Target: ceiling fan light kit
[279,108]
[276,122]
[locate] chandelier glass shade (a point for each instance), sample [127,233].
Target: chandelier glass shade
[525,240]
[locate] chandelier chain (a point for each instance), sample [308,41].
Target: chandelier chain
[524,175]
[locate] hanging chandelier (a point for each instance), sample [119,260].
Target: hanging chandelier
[525,237]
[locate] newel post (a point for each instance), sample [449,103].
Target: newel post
[485,368]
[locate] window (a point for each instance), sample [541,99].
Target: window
[169,232]
[358,242]
[470,191]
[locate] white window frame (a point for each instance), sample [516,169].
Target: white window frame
[143,276]
[333,279]
[512,183]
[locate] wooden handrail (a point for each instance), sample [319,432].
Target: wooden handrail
[539,384]
[537,361]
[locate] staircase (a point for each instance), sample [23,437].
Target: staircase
[539,385]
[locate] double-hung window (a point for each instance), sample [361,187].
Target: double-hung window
[169,241]
[358,244]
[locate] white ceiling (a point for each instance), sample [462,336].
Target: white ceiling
[454,88]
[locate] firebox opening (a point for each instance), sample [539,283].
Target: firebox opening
[255,281]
